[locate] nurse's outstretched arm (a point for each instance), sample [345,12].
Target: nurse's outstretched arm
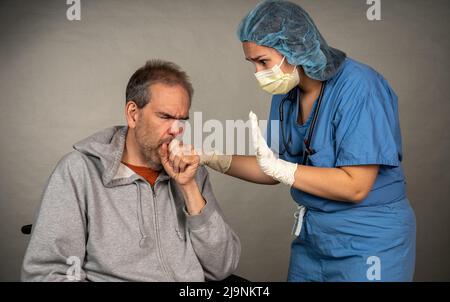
[239,166]
[247,168]
[348,184]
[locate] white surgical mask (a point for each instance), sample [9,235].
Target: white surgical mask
[275,81]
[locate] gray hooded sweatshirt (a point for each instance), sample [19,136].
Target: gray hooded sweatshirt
[100,221]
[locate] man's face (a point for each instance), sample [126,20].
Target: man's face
[160,120]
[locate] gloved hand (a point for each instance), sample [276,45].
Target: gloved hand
[280,170]
[215,160]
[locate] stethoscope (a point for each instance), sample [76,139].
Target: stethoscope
[308,151]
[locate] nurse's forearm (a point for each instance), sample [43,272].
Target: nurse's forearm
[348,184]
[246,168]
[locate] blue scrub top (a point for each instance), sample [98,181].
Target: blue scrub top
[357,124]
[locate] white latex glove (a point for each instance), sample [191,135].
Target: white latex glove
[280,170]
[215,160]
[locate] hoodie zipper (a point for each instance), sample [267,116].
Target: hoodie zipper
[158,238]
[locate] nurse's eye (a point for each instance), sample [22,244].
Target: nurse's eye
[263,62]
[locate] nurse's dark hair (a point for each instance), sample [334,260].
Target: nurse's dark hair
[153,72]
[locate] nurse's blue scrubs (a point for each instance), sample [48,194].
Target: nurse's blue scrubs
[357,124]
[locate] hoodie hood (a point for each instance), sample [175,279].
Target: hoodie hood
[107,145]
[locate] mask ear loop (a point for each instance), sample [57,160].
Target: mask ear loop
[281,63]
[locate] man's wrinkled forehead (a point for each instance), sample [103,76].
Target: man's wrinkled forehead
[171,102]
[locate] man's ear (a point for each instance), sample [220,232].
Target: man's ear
[131,114]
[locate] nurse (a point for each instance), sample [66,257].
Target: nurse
[339,151]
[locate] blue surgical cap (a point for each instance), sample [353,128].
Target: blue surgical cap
[289,29]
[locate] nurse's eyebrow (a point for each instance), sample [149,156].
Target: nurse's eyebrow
[255,58]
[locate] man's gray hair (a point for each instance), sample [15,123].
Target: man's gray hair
[155,71]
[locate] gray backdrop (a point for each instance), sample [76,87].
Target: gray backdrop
[60,81]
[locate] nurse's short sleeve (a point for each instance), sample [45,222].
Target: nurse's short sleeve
[367,132]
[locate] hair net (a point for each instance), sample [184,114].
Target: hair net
[289,29]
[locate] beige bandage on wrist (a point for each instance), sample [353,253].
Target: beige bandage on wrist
[216,161]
